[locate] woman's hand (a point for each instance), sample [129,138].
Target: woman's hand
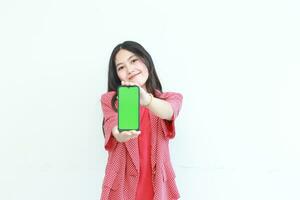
[124,136]
[145,97]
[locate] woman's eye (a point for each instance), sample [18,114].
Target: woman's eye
[120,68]
[134,60]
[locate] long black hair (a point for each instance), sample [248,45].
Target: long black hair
[152,83]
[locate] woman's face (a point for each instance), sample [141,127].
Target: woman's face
[131,68]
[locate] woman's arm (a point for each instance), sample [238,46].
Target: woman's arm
[160,108]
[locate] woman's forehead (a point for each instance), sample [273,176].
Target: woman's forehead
[123,55]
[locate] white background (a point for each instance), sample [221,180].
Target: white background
[237,64]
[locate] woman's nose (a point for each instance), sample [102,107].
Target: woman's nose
[130,69]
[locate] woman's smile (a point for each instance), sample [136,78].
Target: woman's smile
[134,76]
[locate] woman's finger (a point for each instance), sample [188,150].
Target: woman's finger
[127,135]
[135,133]
[124,82]
[133,83]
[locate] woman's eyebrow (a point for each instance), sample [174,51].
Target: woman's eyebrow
[127,59]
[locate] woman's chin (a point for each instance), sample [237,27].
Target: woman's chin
[140,83]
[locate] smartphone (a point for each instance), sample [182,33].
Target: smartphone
[128,108]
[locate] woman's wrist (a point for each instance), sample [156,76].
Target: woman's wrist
[150,100]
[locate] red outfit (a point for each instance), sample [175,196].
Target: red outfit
[145,187]
[129,161]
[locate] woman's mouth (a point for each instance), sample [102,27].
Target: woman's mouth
[132,77]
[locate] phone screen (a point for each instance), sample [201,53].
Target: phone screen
[128,108]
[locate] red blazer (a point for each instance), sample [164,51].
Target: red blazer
[122,169]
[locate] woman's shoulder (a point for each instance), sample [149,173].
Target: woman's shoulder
[167,94]
[107,96]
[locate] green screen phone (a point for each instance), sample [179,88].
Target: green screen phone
[128,108]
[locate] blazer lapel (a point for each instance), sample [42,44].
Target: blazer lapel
[153,120]
[133,150]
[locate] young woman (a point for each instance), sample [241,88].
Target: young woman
[139,165]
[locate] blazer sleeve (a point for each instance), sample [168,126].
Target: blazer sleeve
[175,99]
[110,120]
